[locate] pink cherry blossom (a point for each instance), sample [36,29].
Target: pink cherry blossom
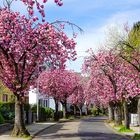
[111,78]
[59,83]
[24,47]
[31,4]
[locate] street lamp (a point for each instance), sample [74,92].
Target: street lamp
[37,100]
[37,93]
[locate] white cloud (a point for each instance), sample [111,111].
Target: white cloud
[94,37]
[78,7]
[90,39]
[119,18]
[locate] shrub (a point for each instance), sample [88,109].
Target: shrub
[49,112]
[41,109]
[124,129]
[94,111]
[7,110]
[136,137]
[34,109]
[7,106]
[27,107]
[1,119]
[44,112]
[71,117]
[60,112]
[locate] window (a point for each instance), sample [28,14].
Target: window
[46,103]
[39,102]
[5,98]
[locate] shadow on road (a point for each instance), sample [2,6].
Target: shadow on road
[57,136]
[88,129]
[101,136]
[51,130]
[84,136]
[95,119]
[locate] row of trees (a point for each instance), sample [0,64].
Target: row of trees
[65,87]
[115,74]
[24,45]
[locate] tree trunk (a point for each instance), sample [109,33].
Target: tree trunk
[118,115]
[110,112]
[86,110]
[19,125]
[126,115]
[123,117]
[64,104]
[74,107]
[56,114]
[80,110]
[138,108]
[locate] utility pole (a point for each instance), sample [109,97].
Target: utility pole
[37,99]
[37,96]
[37,93]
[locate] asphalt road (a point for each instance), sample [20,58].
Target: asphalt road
[95,129]
[86,129]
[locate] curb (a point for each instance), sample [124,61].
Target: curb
[115,131]
[32,136]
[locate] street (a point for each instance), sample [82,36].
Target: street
[86,129]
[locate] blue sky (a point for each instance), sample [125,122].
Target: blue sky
[94,17]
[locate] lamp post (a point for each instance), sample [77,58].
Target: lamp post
[37,100]
[37,93]
[138,112]
[37,96]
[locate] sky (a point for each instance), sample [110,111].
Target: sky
[94,17]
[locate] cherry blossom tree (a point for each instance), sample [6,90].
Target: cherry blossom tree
[59,84]
[23,47]
[77,98]
[39,5]
[112,80]
[32,4]
[4,89]
[71,84]
[129,50]
[127,44]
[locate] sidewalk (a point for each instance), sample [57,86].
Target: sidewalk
[136,130]
[33,129]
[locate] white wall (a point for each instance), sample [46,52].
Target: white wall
[50,100]
[32,96]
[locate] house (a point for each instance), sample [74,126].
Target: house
[5,94]
[43,100]
[6,97]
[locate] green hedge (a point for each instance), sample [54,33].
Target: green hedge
[49,112]
[7,110]
[45,112]
[95,111]
[1,119]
